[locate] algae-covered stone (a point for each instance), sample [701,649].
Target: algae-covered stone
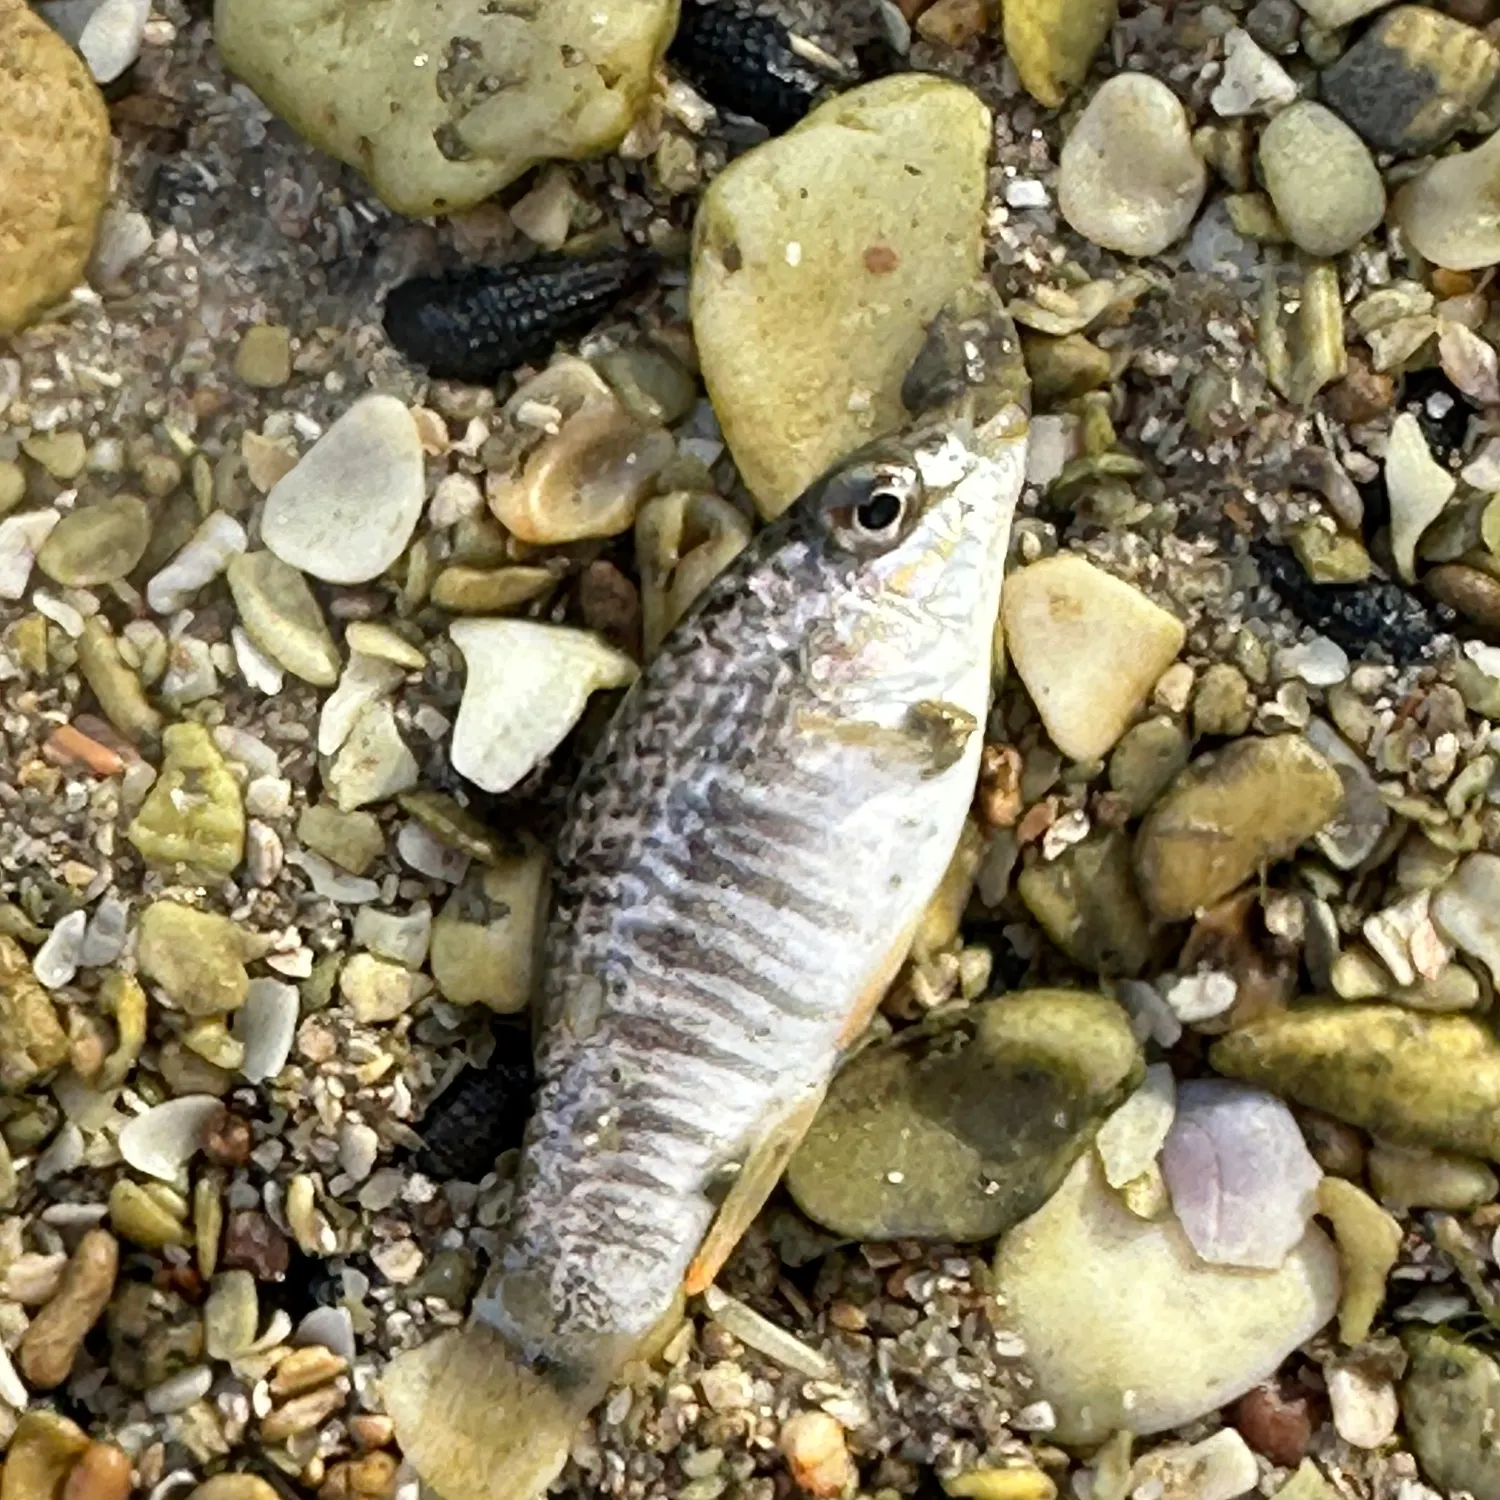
[1088,646]
[959,1128]
[1419,1080]
[1052,43]
[281,616]
[112,682]
[196,957]
[441,104]
[32,1040]
[97,544]
[352,840]
[54,165]
[1148,756]
[1086,901]
[1125,1326]
[1449,1399]
[1228,814]
[194,818]
[820,258]
[486,940]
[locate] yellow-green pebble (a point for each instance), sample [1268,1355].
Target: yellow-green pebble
[264,357]
[1369,1240]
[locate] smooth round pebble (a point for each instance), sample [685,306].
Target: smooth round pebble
[97,544]
[348,509]
[1130,179]
[1322,179]
[1451,213]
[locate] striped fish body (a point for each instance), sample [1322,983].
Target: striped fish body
[746,857]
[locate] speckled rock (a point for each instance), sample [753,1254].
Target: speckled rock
[1088,646]
[1052,42]
[959,1128]
[1412,80]
[1419,1080]
[347,510]
[54,165]
[443,135]
[1129,177]
[1126,1327]
[1322,179]
[194,956]
[97,544]
[32,1039]
[820,258]
[1448,1400]
[1229,813]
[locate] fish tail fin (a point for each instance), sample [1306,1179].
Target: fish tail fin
[477,1422]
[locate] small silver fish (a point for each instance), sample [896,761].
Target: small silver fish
[745,860]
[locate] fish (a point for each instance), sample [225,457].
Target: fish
[745,859]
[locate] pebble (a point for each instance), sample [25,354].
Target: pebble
[265,1026]
[161,1141]
[1274,1424]
[812,290]
[1252,81]
[1471,591]
[1449,1397]
[56,961]
[577,73]
[51,1344]
[1412,80]
[378,991]
[1052,42]
[55,158]
[1129,177]
[485,939]
[1086,902]
[1445,212]
[108,33]
[348,509]
[1322,179]
[1146,759]
[1125,1326]
[231,1315]
[352,840]
[196,957]
[373,764]
[21,538]
[43,1448]
[32,1040]
[97,544]
[264,356]
[235,1486]
[282,617]
[1419,488]
[961,1127]
[817,1455]
[205,556]
[1331,14]
[1466,909]
[1221,1467]
[1421,1080]
[1364,1407]
[527,686]
[1088,647]
[1130,1140]
[1407,1177]
[1242,1182]
[1369,1242]
[1228,814]
[103,1473]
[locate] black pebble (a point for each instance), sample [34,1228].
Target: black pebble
[480,1114]
[477,324]
[743,62]
[1355,615]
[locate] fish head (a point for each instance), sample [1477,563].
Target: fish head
[909,535]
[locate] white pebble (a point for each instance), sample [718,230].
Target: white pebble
[365,680]
[162,1141]
[359,1146]
[21,538]
[331,883]
[1252,80]
[1025,192]
[1198,997]
[59,611]
[267,1023]
[268,797]
[205,556]
[264,854]
[1130,1140]
[104,940]
[332,1327]
[423,851]
[180,1391]
[1364,1410]
[258,670]
[56,961]
[12,1388]
[1318,662]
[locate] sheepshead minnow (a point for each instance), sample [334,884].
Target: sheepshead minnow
[746,858]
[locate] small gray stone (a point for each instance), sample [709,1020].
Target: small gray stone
[1129,178]
[1322,179]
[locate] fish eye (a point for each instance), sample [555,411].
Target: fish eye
[869,505]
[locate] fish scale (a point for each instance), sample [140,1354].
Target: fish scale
[744,861]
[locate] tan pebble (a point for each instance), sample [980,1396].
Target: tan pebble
[264,357]
[303,1413]
[371,1430]
[51,1343]
[813,1443]
[305,1370]
[1001,1484]
[235,1487]
[41,1455]
[371,1477]
[103,1473]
